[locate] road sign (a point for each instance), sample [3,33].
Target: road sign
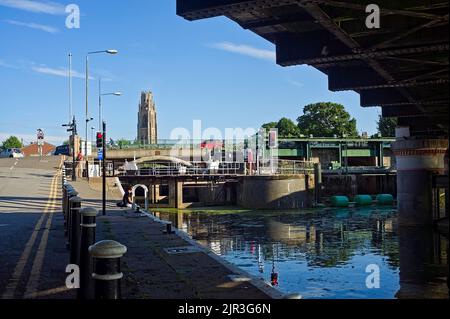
[100,155]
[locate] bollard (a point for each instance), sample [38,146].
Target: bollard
[169,229]
[63,176]
[88,225]
[70,194]
[74,233]
[63,207]
[107,274]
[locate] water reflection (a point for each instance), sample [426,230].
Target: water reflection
[324,254]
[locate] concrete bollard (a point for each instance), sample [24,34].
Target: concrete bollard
[88,225]
[74,233]
[107,274]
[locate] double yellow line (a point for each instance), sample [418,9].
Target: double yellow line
[32,285]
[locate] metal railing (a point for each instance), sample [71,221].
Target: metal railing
[177,169]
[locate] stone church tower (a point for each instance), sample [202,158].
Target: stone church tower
[147,125]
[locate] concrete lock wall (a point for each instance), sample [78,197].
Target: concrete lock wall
[275,192]
[352,185]
[417,162]
[339,185]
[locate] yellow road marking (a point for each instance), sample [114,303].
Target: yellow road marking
[20,266]
[38,262]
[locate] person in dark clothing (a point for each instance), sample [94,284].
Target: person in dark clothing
[127,200]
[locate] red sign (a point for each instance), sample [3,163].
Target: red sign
[273,139]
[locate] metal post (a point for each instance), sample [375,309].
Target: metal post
[99,102]
[88,225]
[107,274]
[74,158]
[104,171]
[75,206]
[70,87]
[87,112]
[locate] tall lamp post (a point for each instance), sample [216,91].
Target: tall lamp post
[111,51]
[100,98]
[103,126]
[92,134]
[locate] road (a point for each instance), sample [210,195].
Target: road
[32,245]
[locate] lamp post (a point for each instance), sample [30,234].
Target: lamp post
[86,141]
[100,95]
[70,88]
[87,89]
[92,134]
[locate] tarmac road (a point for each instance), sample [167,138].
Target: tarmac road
[32,245]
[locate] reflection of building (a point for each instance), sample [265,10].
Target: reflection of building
[147,125]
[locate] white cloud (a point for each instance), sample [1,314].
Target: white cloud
[62,72]
[28,138]
[246,50]
[46,7]
[296,83]
[36,26]
[5,64]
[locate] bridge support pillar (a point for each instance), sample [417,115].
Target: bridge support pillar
[175,193]
[417,161]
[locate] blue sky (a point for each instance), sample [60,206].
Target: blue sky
[209,70]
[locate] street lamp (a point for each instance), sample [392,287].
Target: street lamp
[92,134]
[86,141]
[100,95]
[110,51]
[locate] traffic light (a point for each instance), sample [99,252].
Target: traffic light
[100,140]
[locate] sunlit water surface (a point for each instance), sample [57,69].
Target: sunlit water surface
[318,254]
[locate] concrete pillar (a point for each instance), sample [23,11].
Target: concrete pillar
[417,160]
[175,193]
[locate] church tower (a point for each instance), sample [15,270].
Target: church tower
[147,125]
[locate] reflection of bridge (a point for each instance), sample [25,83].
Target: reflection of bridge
[401,66]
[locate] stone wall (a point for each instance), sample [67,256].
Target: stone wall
[276,192]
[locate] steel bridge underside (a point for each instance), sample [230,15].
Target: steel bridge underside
[401,67]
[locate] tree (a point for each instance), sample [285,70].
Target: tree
[269,126]
[123,143]
[387,125]
[12,142]
[326,119]
[287,128]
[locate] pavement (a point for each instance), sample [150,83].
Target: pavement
[161,266]
[157,266]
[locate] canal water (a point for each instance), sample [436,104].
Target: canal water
[333,254]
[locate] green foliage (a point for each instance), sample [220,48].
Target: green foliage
[326,119]
[66,143]
[287,128]
[12,142]
[387,125]
[269,126]
[123,143]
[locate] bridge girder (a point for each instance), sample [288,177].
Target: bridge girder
[404,63]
